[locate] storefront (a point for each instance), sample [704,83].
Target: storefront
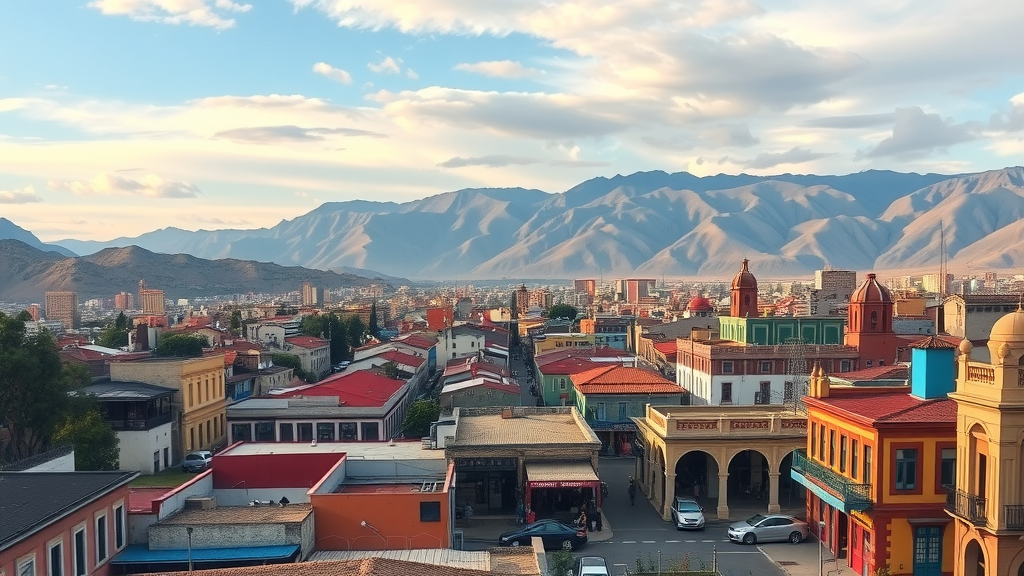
[553,488]
[487,484]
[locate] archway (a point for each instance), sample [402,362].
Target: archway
[974,559]
[792,494]
[697,476]
[658,491]
[749,475]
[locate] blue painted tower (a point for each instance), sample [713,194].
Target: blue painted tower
[932,368]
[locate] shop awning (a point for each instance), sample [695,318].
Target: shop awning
[561,475]
[141,554]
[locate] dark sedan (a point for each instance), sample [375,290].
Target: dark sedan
[553,534]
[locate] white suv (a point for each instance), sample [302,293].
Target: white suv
[687,514]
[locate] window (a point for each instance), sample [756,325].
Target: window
[623,415]
[599,412]
[287,431]
[191,437]
[27,566]
[842,453]
[854,458]
[906,469]
[727,367]
[947,473]
[867,463]
[814,440]
[430,511]
[80,552]
[101,538]
[55,565]
[831,448]
[726,392]
[874,319]
[561,384]
[119,526]
[370,430]
[348,431]
[766,366]
[844,365]
[764,394]
[264,431]
[241,432]
[821,443]
[305,431]
[325,431]
[191,399]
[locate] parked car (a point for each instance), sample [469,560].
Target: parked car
[554,535]
[770,528]
[590,566]
[196,461]
[687,514]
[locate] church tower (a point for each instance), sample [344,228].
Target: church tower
[743,303]
[869,324]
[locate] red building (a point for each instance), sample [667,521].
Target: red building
[440,318]
[743,297]
[58,523]
[869,324]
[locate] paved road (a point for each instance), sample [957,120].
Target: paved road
[640,532]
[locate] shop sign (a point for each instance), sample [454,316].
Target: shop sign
[749,425]
[802,423]
[562,484]
[486,463]
[696,424]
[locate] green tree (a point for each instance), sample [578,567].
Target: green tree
[339,338]
[115,335]
[560,563]
[236,322]
[292,361]
[391,370]
[355,329]
[562,311]
[95,442]
[182,345]
[314,325]
[34,386]
[420,416]
[374,322]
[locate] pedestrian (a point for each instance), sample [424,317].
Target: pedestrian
[531,516]
[632,492]
[468,514]
[582,520]
[597,518]
[696,490]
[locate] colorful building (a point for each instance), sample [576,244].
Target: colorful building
[877,466]
[987,503]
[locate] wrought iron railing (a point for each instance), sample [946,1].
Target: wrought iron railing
[1013,515]
[140,423]
[967,506]
[856,495]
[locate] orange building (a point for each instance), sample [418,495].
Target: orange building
[440,318]
[878,464]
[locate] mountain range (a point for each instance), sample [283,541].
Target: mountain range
[648,223]
[26,272]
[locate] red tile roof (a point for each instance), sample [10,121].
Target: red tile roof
[666,347]
[882,407]
[895,372]
[933,343]
[629,388]
[309,342]
[597,352]
[359,389]
[569,366]
[607,378]
[417,341]
[400,357]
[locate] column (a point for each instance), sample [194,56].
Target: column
[669,495]
[723,496]
[773,493]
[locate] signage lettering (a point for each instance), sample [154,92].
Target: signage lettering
[696,424]
[485,462]
[794,424]
[749,425]
[561,484]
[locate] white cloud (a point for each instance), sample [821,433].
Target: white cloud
[107,184]
[279,134]
[337,74]
[411,74]
[388,65]
[192,12]
[916,133]
[24,195]
[493,161]
[498,69]
[794,155]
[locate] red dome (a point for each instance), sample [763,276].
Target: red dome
[744,279]
[871,291]
[699,304]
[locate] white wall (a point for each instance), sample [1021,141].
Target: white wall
[201,486]
[242,497]
[336,477]
[65,463]
[137,446]
[396,468]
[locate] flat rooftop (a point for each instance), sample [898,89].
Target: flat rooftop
[381,488]
[529,425]
[274,514]
[354,450]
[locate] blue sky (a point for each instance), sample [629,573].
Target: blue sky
[122,116]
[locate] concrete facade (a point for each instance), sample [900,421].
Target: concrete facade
[143,450]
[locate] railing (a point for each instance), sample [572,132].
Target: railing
[139,423]
[981,374]
[1013,515]
[856,495]
[967,506]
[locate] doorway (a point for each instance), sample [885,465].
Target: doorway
[928,551]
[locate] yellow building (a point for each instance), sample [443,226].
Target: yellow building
[199,403]
[987,505]
[878,464]
[548,342]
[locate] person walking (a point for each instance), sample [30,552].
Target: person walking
[468,515]
[632,491]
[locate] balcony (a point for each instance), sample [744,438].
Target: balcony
[139,423]
[968,506]
[1013,515]
[853,495]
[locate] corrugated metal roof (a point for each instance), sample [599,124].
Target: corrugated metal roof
[561,471]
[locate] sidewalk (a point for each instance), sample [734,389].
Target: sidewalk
[802,559]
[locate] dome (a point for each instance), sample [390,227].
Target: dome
[871,291]
[1009,328]
[699,304]
[744,279]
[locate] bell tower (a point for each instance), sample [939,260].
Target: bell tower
[743,301]
[869,324]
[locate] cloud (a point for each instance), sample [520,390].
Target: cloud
[1011,120]
[24,195]
[916,133]
[337,74]
[853,121]
[578,164]
[210,13]
[107,184]
[388,65]
[197,218]
[492,161]
[732,135]
[411,74]
[498,69]
[795,155]
[55,87]
[279,134]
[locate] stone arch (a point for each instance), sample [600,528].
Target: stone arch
[749,476]
[700,467]
[1017,564]
[974,559]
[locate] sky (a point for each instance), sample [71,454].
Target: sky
[119,117]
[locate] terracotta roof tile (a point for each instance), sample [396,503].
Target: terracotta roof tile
[933,343]
[616,374]
[894,407]
[307,342]
[359,389]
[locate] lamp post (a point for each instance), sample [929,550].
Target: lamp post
[821,530]
[188,529]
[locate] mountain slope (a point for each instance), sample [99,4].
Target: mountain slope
[12,231]
[650,222]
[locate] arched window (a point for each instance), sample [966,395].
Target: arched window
[874,319]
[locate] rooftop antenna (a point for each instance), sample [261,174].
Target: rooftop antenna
[942,259]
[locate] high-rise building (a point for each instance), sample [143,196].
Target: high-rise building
[541,298]
[151,300]
[522,298]
[585,286]
[635,289]
[937,283]
[835,284]
[309,294]
[63,306]
[33,311]
[124,301]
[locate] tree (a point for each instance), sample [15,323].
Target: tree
[355,330]
[391,370]
[182,345]
[314,325]
[34,386]
[562,311]
[95,442]
[339,338]
[115,335]
[236,322]
[374,323]
[560,563]
[420,416]
[291,361]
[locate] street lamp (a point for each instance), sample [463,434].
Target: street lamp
[189,530]
[821,529]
